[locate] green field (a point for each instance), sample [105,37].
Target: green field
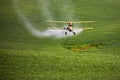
[91,55]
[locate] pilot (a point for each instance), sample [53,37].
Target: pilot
[70,25]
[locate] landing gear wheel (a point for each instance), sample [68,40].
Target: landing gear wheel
[74,33]
[65,33]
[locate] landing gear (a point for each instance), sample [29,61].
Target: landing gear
[74,33]
[65,33]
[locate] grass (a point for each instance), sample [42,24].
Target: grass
[46,64]
[26,57]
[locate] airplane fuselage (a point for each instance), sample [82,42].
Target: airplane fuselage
[69,28]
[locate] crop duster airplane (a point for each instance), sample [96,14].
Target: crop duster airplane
[70,25]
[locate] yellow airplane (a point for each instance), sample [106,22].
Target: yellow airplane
[70,25]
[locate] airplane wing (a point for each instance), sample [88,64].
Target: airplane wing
[83,28]
[80,22]
[56,21]
[87,28]
[55,28]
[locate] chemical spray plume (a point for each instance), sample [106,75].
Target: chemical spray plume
[36,32]
[46,12]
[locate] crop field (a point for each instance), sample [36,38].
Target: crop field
[29,51]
